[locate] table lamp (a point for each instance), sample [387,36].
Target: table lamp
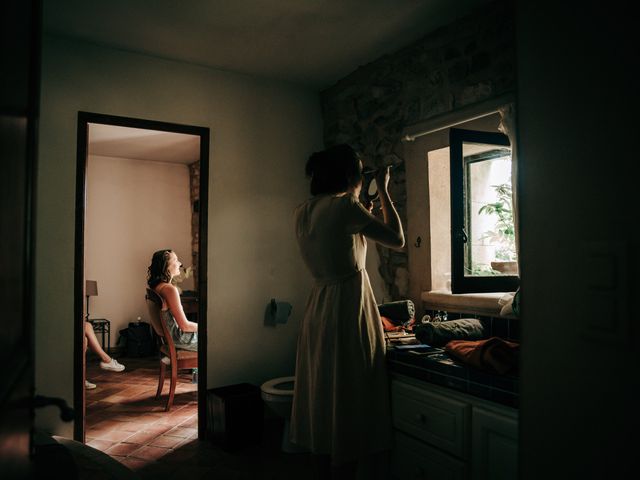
[91,290]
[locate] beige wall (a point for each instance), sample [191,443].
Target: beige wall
[261,134]
[428,202]
[134,207]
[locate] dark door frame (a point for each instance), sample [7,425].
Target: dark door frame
[84,119]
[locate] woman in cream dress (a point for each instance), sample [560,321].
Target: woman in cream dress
[341,398]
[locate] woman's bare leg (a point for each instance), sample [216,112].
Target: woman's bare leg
[94,344]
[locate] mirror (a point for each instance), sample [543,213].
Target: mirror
[369,190]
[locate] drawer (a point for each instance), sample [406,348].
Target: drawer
[438,420]
[412,459]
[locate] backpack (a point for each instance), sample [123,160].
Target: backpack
[138,340]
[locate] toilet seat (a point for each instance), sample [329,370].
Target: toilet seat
[270,386]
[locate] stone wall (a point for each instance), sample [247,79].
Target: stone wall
[194,186]
[455,66]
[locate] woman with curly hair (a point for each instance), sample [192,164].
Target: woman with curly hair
[164,266]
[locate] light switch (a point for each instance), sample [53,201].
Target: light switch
[601,270]
[604,295]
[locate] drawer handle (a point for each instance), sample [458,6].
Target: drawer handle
[421,418]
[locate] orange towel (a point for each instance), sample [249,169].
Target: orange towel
[493,354]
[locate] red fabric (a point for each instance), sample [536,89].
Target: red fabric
[389,326]
[493,354]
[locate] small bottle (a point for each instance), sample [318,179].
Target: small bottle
[445,316]
[194,376]
[438,317]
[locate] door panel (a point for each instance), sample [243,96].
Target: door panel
[19,56]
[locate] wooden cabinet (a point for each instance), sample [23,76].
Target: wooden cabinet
[494,445]
[414,459]
[190,307]
[443,434]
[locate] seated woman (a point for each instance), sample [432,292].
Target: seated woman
[164,266]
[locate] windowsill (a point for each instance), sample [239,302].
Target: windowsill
[471,303]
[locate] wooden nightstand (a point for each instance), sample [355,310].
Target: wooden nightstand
[102,326]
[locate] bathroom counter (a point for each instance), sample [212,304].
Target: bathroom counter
[439,368]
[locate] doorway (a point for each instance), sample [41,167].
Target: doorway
[123,151]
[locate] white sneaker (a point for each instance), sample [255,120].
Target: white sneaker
[166,360]
[88,385]
[113,365]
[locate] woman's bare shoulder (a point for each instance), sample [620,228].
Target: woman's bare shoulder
[165,289]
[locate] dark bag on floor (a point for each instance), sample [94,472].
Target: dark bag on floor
[138,340]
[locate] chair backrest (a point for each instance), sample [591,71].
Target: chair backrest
[154,304]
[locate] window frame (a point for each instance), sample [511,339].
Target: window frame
[460,283]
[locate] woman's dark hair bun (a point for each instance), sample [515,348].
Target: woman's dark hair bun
[333,170]
[312,163]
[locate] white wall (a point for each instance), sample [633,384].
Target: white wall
[133,208]
[261,134]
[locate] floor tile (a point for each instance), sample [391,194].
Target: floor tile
[113,435]
[166,441]
[150,453]
[125,420]
[142,438]
[123,449]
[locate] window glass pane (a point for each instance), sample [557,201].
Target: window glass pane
[490,247]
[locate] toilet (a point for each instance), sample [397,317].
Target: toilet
[277,394]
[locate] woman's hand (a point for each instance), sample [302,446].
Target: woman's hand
[389,232]
[382,178]
[369,206]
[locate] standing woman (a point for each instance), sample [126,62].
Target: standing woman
[341,409]
[164,266]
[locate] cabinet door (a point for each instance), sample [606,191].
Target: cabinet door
[414,460]
[495,445]
[432,418]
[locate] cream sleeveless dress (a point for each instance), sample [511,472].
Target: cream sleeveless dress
[341,398]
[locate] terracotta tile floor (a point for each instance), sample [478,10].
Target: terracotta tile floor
[124,420]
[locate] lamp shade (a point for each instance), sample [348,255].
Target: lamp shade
[91,288]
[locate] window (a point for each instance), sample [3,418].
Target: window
[483,249]
[430,181]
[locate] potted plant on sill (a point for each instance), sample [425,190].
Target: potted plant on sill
[503,235]
[184,274]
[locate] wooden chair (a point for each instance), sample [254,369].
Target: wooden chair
[180,359]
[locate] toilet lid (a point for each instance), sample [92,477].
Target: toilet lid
[279,386]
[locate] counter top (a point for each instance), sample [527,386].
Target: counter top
[435,366]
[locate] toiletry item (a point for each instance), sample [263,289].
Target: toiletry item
[278,312]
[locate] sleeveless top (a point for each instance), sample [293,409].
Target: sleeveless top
[182,340]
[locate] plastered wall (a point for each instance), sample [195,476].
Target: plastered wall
[261,133]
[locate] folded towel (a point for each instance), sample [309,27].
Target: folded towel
[388,325]
[399,312]
[493,354]
[439,333]
[506,302]
[516,303]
